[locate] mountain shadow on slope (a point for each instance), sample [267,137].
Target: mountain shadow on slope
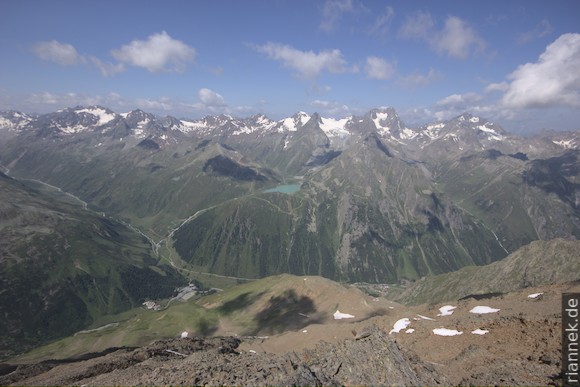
[149,144]
[287,311]
[382,147]
[323,159]
[551,174]
[494,154]
[224,166]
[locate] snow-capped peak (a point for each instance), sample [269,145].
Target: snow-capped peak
[334,128]
[14,120]
[104,116]
[291,124]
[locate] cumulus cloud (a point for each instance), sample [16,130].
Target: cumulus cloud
[160,52]
[554,80]
[61,53]
[456,39]
[307,64]
[378,68]
[210,98]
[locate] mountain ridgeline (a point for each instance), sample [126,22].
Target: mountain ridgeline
[374,200]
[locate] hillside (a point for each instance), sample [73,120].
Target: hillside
[539,263]
[63,266]
[260,308]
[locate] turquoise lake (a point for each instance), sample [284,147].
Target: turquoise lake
[286,188]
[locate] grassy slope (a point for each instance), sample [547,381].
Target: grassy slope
[262,307]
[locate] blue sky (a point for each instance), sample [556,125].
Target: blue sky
[515,62]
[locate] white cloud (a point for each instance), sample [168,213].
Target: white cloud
[543,28]
[160,52]
[383,22]
[554,80]
[456,104]
[332,11]
[459,100]
[163,104]
[46,101]
[107,69]
[307,63]
[332,108]
[61,53]
[418,79]
[456,39]
[418,25]
[501,86]
[378,68]
[210,98]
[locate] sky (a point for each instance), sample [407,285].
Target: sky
[514,62]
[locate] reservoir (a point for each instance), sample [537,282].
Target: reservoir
[286,188]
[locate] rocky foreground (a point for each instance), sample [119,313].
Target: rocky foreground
[371,359]
[518,344]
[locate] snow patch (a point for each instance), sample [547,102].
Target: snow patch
[446,332]
[410,330]
[184,334]
[339,316]
[427,318]
[289,124]
[535,295]
[381,117]
[102,114]
[446,310]
[408,134]
[190,126]
[479,331]
[493,135]
[72,129]
[483,310]
[432,131]
[568,144]
[400,325]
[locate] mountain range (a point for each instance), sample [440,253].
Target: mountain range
[359,199]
